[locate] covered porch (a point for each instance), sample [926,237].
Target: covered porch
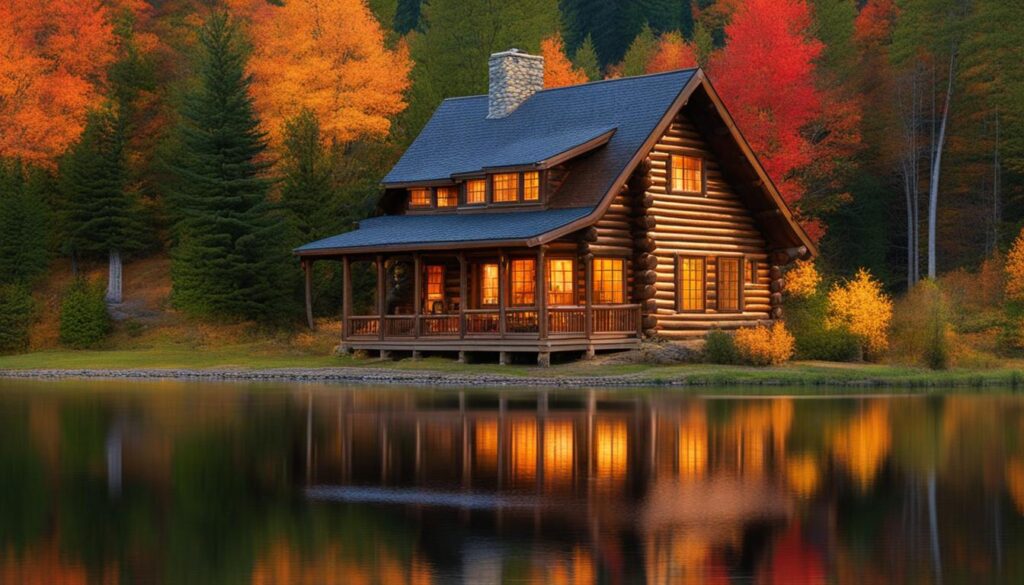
[526,300]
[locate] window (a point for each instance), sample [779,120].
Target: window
[560,281]
[728,284]
[447,196]
[524,281]
[419,197]
[751,272]
[489,284]
[692,284]
[476,191]
[531,186]
[435,283]
[506,187]
[609,281]
[687,174]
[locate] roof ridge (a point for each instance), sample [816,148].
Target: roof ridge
[576,85]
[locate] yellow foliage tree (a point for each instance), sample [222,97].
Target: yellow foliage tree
[327,56]
[761,346]
[672,52]
[803,279]
[864,309]
[1015,270]
[558,70]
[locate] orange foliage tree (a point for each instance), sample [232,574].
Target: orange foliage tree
[1015,270]
[54,56]
[672,52]
[327,56]
[558,70]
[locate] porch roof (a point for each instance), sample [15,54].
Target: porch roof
[444,230]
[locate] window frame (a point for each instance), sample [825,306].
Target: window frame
[680,258]
[622,282]
[480,268]
[520,190]
[437,198]
[574,277]
[740,283]
[465,190]
[430,198]
[494,189]
[751,267]
[532,281]
[703,175]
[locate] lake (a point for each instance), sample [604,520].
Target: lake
[117,482]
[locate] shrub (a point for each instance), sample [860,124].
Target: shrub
[15,318]
[761,346]
[921,331]
[84,321]
[803,279]
[864,309]
[805,318]
[719,348]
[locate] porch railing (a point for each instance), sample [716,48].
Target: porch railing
[563,321]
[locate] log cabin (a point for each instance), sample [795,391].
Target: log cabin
[580,218]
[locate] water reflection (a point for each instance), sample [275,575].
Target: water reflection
[177,483]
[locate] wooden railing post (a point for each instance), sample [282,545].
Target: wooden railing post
[346,292]
[463,294]
[588,288]
[542,296]
[381,296]
[502,291]
[417,292]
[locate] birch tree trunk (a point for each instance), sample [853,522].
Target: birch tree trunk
[114,278]
[933,186]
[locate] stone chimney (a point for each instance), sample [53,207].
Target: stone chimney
[515,76]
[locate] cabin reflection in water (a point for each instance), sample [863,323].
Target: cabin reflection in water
[656,473]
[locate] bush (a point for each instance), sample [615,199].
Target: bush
[864,309]
[921,332]
[15,318]
[761,346]
[805,318]
[802,280]
[719,348]
[84,321]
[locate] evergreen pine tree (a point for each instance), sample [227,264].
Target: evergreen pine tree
[703,44]
[639,54]
[101,216]
[231,257]
[23,223]
[407,16]
[585,58]
[306,192]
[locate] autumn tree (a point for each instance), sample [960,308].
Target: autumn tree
[671,52]
[1015,270]
[558,70]
[862,307]
[54,56]
[231,257]
[327,56]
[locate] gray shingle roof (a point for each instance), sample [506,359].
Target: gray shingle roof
[446,228]
[459,138]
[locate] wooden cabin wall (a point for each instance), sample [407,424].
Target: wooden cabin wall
[700,225]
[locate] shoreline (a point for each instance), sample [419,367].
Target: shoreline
[677,377]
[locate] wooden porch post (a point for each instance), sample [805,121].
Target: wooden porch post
[417,292]
[382,302]
[588,289]
[542,295]
[307,269]
[463,294]
[502,291]
[346,291]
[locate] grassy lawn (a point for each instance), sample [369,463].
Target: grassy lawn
[269,355]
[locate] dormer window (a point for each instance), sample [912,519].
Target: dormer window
[419,197]
[447,197]
[476,192]
[687,174]
[531,186]
[505,187]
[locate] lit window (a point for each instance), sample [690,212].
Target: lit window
[728,284]
[419,197]
[489,284]
[447,197]
[476,191]
[560,282]
[531,186]
[435,283]
[686,174]
[609,281]
[506,187]
[524,281]
[752,272]
[691,284]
